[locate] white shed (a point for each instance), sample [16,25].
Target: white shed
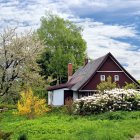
[56,97]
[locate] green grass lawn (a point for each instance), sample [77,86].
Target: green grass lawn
[60,126]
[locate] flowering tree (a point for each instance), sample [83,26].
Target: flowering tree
[18,53]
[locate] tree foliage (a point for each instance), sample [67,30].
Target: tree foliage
[64,44]
[18,54]
[107,85]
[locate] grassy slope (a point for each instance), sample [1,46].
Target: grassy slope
[58,126]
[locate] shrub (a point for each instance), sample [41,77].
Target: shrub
[10,98]
[23,137]
[8,106]
[129,86]
[5,135]
[69,105]
[31,105]
[40,92]
[107,84]
[109,100]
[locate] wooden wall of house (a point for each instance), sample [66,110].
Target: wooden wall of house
[109,65]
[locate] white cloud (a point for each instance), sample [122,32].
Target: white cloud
[102,5]
[101,38]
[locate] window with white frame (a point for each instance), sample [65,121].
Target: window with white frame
[102,77]
[116,78]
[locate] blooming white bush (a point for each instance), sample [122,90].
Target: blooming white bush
[109,100]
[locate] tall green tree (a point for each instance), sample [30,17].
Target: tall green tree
[64,44]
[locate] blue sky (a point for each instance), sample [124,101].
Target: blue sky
[109,25]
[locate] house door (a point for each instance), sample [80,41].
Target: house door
[68,94]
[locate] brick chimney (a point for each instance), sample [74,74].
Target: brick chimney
[70,71]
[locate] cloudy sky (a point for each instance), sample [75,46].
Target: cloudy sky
[109,25]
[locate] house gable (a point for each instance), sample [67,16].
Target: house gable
[109,67]
[92,84]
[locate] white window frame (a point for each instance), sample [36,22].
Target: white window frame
[102,77]
[116,78]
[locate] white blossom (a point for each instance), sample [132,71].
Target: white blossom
[109,100]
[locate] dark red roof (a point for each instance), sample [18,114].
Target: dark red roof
[57,87]
[65,85]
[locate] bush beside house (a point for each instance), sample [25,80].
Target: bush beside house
[107,85]
[109,100]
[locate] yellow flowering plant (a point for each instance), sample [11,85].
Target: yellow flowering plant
[31,105]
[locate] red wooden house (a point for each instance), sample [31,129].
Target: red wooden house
[85,80]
